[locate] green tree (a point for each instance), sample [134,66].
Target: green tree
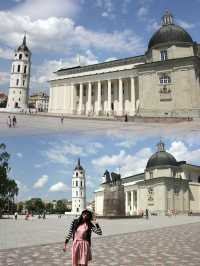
[49,208]
[60,207]
[35,205]
[8,187]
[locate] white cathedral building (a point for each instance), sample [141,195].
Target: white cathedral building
[164,82]
[19,78]
[166,184]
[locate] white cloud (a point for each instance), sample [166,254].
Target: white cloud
[6,53]
[45,71]
[186,25]
[59,151]
[19,155]
[142,12]
[59,187]
[37,9]
[41,181]
[182,153]
[61,34]
[22,187]
[4,77]
[128,164]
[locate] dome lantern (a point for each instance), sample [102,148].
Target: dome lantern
[167,19]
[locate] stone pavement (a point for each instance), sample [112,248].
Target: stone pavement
[174,245]
[35,125]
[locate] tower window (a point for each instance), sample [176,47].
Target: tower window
[25,67]
[20,92]
[18,68]
[76,183]
[13,68]
[77,193]
[165,79]
[19,99]
[23,82]
[163,55]
[81,183]
[76,174]
[20,56]
[17,82]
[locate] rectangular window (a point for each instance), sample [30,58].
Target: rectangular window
[25,67]
[76,183]
[23,82]
[18,68]
[163,55]
[17,82]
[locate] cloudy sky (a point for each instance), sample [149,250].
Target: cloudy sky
[59,31]
[42,165]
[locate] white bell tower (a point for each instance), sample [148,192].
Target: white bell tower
[20,78]
[78,189]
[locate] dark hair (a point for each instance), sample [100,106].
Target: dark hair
[80,218]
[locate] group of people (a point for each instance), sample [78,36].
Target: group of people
[12,121]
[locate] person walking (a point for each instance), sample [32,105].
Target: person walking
[80,230]
[14,120]
[9,121]
[147,213]
[62,119]
[16,214]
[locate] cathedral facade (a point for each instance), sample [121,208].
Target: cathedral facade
[165,185]
[164,82]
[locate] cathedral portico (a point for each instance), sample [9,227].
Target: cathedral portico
[102,97]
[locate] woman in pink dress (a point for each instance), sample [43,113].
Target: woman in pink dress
[81,230]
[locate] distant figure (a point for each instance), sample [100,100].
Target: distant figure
[125,118]
[15,215]
[147,213]
[27,216]
[62,119]
[9,122]
[44,215]
[14,120]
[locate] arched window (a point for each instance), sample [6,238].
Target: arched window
[163,55]
[165,79]
[20,56]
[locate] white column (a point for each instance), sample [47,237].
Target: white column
[109,97]
[73,98]
[80,108]
[126,202]
[132,203]
[89,105]
[99,98]
[133,107]
[120,102]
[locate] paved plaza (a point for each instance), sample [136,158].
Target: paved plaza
[34,125]
[125,242]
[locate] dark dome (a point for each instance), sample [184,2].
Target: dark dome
[169,33]
[161,158]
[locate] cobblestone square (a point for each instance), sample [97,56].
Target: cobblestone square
[174,241]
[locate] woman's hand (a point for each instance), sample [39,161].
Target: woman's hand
[65,247]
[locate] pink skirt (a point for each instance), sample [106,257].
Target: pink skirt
[81,252]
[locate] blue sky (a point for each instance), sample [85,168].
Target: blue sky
[96,30]
[43,164]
